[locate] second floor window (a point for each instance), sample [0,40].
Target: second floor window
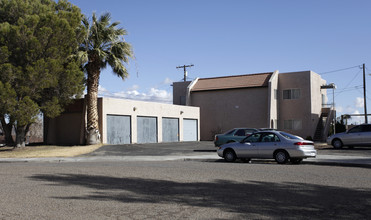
[292,124]
[291,94]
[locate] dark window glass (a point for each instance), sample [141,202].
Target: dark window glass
[367,128]
[240,132]
[249,131]
[290,136]
[270,138]
[253,138]
[355,129]
[286,94]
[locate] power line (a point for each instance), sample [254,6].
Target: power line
[348,90]
[333,71]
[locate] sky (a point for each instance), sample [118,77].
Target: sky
[234,37]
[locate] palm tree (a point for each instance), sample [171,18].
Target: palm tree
[103,44]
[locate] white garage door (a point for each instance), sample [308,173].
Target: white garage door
[118,129]
[170,130]
[190,130]
[147,129]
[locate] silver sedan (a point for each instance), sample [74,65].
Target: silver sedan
[277,145]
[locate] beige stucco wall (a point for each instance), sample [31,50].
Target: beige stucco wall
[273,101]
[307,108]
[221,110]
[68,129]
[139,108]
[316,102]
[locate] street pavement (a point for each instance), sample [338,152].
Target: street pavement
[204,151]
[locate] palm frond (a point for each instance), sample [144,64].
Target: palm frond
[105,40]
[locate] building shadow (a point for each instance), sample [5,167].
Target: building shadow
[250,199]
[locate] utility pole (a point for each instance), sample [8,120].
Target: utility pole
[364,92]
[185,71]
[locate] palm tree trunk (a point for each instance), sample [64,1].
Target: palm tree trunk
[93,135]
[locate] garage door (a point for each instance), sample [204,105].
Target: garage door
[170,130]
[190,130]
[147,129]
[118,129]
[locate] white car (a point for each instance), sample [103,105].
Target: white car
[277,145]
[358,135]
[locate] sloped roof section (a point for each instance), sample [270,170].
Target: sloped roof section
[233,82]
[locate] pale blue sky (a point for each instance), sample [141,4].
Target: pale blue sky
[231,37]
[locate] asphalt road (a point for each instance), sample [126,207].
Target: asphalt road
[183,190]
[191,148]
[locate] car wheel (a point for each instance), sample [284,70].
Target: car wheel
[337,143]
[281,157]
[296,160]
[230,155]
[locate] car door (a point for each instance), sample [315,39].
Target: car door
[366,134]
[268,143]
[353,136]
[247,148]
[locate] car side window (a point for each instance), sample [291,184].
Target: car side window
[355,129]
[366,128]
[249,131]
[240,132]
[253,138]
[270,138]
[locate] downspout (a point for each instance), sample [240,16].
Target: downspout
[189,88]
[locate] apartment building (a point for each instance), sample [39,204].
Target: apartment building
[291,102]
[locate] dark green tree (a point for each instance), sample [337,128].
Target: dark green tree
[103,45]
[38,73]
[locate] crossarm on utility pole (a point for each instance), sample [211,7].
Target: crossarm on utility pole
[185,71]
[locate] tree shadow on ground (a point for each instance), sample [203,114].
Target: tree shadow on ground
[250,199]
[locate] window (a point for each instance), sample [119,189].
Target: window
[290,136]
[366,128]
[355,129]
[240,132]
[253,138]
[292,124]
[270,138]
[291,94]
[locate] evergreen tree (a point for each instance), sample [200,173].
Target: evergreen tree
[37,71]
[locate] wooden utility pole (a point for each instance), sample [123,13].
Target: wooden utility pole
[185,71]
[364,92]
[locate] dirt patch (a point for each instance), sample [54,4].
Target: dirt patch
[47,151]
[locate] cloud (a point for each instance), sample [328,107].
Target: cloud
[359,102]
[167,81]
[134,87]
[153,95]
[103,91]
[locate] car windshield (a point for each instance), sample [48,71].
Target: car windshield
[229,132]
[290,136]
